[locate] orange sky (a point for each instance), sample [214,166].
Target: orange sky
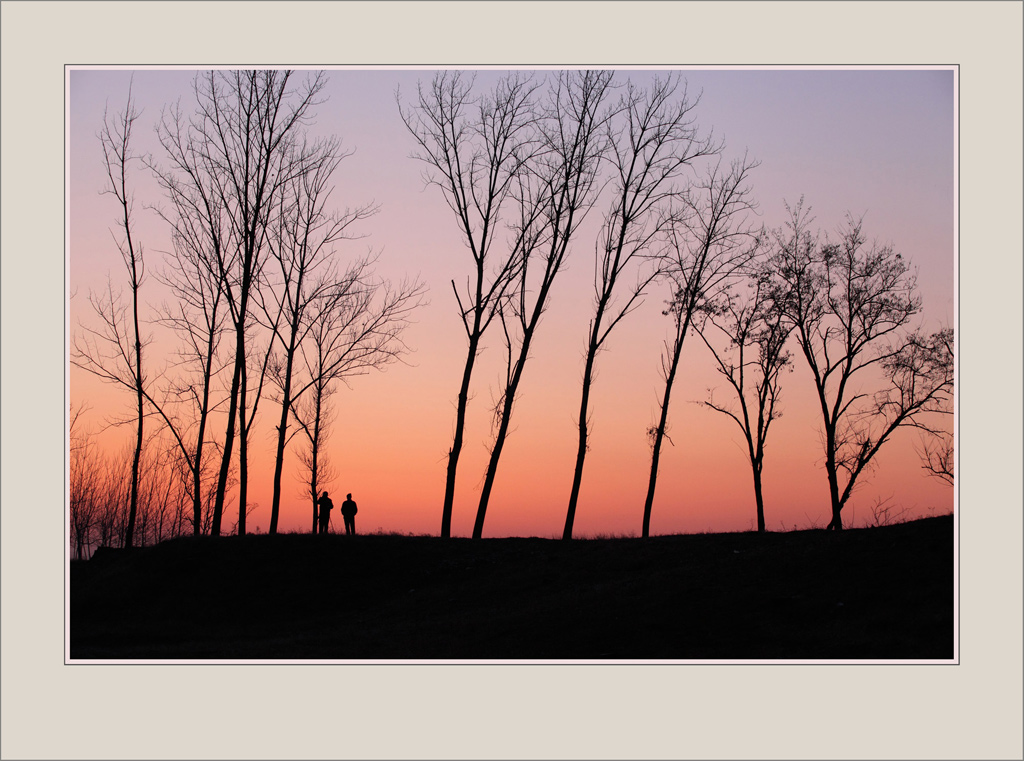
[878,143]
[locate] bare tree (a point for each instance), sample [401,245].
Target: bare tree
[476,151]
[111,489]
[84,485]
[100,487]
[850,305]
[162,498]
[302,246]
[114,351]
[885,513]
[553,203]
[708,241]
[316,417]
[192,272]
[248,407]
[751,361]
[237,152]
[937,445]
[937,455]
[354,327]
[182,472]
[654,142]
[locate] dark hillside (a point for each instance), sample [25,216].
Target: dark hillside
[876,593]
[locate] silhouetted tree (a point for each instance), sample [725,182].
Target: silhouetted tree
[238,151]
[199,511]
[302,245]
[113,352]
[248,406]
[354,326]
[936,449]
[316,417]
[752,361]
[653,143]
[99,488]
[885,513]
[937,455]
[197,315]
[84,485]
[111,491]
[162,501]
[476,151]
[850,304]
[707,242]
[554,200]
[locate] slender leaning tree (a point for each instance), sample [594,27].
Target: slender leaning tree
[302,246]
[194,272]
[477,151]
[747,337]
[113,351]
[653,139]
[708,242]
[563,188]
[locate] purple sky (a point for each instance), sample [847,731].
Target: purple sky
[871,142]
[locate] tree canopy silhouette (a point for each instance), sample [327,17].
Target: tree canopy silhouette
[850,304]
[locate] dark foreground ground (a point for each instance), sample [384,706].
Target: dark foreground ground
[876,593]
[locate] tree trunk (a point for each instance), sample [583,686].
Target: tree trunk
[138,393]
[659,433]
[460,424]
[229,436]
[134,499]
[286,401]
[836,524]
[492,465]
[197,461]
[506,416]
[282,430]
[581,451]
[243,455]
[197,472]
[314,470]
[759,500]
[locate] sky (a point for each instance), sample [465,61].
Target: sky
[877,143]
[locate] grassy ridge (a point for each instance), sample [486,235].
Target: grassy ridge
[875,593]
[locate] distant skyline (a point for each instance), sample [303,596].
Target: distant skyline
[876,142]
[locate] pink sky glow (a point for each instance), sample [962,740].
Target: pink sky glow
[873,142]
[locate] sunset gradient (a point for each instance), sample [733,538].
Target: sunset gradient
[871,141]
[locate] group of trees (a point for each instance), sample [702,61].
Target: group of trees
[263,305]
[100,488]
[265,309]
[521,165]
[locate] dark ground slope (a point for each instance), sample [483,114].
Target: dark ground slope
[858,594]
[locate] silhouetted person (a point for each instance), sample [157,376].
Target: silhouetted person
[326,505]
[348,512]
